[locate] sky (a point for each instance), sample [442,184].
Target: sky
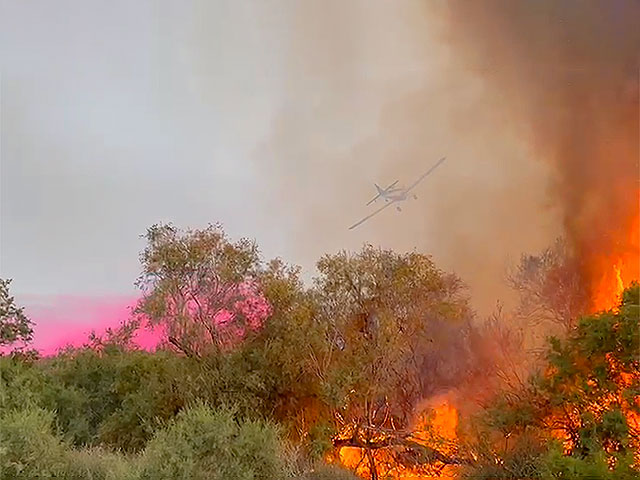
[273,118]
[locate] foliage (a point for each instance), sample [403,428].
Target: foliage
[30,449]
[199,287]
[15,326]
[200,444]
[384,314]
[555,464]
[262,377]
[396,332]
[205,444]
[580,416]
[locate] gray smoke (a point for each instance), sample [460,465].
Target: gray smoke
[374,95]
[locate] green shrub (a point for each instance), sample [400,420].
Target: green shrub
[98,464]
[30,450]
[595,466]
[21,383]
[214,445]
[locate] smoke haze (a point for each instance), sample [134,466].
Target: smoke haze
[276,118]
[375,96]
[568,74]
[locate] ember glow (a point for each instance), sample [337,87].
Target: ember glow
[435,429]
[615,272]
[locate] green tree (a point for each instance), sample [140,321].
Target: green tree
[200,287]
[15,326]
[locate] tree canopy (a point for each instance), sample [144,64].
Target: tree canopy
[261,376]
[15,326]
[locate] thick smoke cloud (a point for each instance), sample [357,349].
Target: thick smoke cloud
[567,73]
[372,94]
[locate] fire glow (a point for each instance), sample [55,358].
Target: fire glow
[435,428]
[614,272]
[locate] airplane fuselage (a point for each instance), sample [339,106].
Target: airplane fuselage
[397,195]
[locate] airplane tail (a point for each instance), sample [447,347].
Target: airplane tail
[380,193]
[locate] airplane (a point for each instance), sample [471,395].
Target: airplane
[384,192]
[393,195]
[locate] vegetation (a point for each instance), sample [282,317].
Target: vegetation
[15,326]
[579,417]
[261,377]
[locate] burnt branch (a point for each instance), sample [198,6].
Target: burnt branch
[404,449]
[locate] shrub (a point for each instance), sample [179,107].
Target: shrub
[214,445]
[30,450]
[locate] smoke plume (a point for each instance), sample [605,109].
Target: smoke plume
[567,73]
[372,95]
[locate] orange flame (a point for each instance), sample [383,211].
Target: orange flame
[614,272]
[435,428]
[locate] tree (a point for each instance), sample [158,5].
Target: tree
[284,354]
[15,326]
[395,328]
[550,286]
[200,288]
[580,415]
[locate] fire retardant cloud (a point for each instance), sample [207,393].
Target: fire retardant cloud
[68,320]
[567,73]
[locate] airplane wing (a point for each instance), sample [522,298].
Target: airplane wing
[392,185]
[378,195]
[425,174]
[372,214]
[373,199]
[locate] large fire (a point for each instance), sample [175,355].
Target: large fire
[611,266]
[435,428]
[612,273]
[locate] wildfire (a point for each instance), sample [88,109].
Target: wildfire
[613,273]
[435,430]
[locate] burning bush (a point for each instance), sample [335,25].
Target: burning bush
[581,414]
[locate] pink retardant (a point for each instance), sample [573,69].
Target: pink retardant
[61,321]
[68,320]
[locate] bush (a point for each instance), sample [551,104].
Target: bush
[21,383]
[557,465]
[29,449]
[214,445]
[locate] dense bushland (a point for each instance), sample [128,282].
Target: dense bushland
[261,377]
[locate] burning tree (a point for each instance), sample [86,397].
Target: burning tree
[395,326]
[580,416]
[550,286]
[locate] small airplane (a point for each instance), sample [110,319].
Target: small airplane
[393,194]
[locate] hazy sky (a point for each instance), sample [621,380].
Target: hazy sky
[271,117]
